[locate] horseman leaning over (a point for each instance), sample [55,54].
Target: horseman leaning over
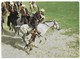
[24,15]
[36,19]
[33,6]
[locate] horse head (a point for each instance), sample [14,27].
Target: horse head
[56,25]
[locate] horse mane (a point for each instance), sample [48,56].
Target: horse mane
[48,21]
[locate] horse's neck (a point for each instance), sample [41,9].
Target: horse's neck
[43,28]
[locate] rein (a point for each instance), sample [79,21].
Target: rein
[45,24]
[47,21]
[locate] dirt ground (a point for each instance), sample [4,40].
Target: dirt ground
[56,46]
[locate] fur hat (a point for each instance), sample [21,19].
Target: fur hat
[42,10]
[23,5]
[12,3]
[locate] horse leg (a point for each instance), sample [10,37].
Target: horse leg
[8,22]
[29,47]
[39,35]
[43,37]
[13,28]
[18,30]
[2,27]
[26,43]
[9,26]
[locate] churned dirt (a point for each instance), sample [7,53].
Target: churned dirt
[56,46]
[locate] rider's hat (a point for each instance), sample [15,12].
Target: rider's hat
[12,3]
[23,5]
[42,10]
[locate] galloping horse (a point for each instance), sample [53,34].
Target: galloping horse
[12,18]
[42,28]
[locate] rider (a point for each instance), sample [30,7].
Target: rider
[36,19]
[4,11]
[42,15]
[33,7]
[24,15]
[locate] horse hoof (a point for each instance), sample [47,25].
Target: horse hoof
[45,39]
[30,49]
[40,41]
[27,52]
[26,46]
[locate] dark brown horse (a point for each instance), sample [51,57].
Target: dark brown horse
[12,18]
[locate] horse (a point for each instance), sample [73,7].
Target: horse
[42,28]
[12,18]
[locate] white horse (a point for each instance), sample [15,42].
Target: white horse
[42,28]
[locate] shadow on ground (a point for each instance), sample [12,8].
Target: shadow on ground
[7,32]
[14,42]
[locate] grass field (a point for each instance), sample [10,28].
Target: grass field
[66,13]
